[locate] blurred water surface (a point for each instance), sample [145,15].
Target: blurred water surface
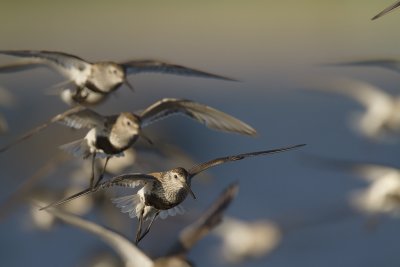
[276,49]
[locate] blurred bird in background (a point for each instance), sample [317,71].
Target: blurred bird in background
[380,120]
[243,240]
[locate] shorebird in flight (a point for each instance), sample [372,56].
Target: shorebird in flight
[93,82]
[381,196]
[381,118]
[111,135]
[176,255]
[161,193]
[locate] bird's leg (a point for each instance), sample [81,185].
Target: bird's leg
[149,226]
[92,176]
[102,172]
[78,95]
[139,229]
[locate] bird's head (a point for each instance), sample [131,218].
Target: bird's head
[180,177]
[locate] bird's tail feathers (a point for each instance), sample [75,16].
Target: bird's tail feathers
[130,204]
[78,148]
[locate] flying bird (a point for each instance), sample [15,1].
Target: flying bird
[381,196]
[93,82]
[243,240]
[111,135]
[177,254]
[162,192]
[381,117]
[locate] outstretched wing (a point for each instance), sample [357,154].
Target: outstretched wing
[391,64]
[206,165]
[387,10]
[209,116]
[85,118]
[39,128]
[125,180]
[22,65]
[69,65]
[149,65]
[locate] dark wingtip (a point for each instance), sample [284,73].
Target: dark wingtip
[387,10]
[219,77]
[233,80]
[300,145]
[65,200]
[377,16]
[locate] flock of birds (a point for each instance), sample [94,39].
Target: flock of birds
[161,193]
[108,136]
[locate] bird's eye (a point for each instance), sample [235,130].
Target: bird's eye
[175,176]
[128,123]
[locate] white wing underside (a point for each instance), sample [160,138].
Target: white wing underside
[378,104]
[132,204]
[379,197]
[374,172]
[69,66]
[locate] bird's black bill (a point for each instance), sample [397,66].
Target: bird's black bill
[129,85]
[187,187]
[145,137]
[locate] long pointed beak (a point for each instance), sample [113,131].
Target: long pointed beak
[187,187]
[148,140]
[129,85]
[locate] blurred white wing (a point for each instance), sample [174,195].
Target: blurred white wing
[373,172]
[131,255]
[378,104]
